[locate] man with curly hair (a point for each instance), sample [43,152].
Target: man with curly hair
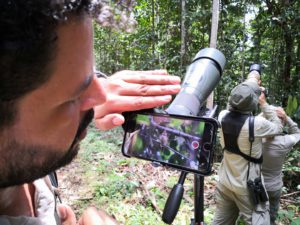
[49,95]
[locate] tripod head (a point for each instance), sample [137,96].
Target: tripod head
[201,78]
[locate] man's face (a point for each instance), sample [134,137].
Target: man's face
[52,119]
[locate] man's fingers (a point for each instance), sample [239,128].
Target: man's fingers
[92,216]
[109,121]
[159,77]
[130,103]
[153,80]
[66,214]
[149,90]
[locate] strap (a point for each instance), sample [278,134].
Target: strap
[251,159]
[53,179]
[251,140]
[251,130]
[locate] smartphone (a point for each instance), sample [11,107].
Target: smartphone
[182,142]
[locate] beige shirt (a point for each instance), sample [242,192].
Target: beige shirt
[233,168]
[274,152]
[44,207]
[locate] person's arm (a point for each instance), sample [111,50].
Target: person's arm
[293,136]
[270,124]
[292,126]
[133,90]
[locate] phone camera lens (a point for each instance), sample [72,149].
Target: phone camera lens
[206,146]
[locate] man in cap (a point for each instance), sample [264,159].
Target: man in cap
[242,158]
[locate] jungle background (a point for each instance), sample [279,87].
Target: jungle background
[168,35]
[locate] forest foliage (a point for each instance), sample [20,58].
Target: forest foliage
[265,32]
[169,34]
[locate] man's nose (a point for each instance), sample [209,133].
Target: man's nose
[94,95]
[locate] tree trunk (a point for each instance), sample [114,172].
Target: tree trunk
[183,36]
[213,42]
[153,30]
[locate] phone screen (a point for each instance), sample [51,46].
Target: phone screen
[182,142]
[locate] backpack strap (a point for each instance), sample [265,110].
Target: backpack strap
[251,139]
[251,129]
[231,130]
[53,178]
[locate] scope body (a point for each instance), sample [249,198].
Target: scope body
[201,78]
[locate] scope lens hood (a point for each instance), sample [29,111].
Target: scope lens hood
[213,54]
[255,67]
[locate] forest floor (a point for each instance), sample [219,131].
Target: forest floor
[134,191]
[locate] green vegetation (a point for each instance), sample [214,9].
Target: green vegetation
[135,192]
[265,32]
[132,190]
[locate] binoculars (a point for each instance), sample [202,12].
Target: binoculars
[266,92]
[257,191]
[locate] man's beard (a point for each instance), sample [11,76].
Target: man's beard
[25,164]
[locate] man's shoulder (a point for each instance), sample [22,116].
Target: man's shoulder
[222,114]
[261,119]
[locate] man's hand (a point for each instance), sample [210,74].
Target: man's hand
[133,90]
[262,97]
[90,216]
[281,114]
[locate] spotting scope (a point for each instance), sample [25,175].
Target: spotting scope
[201,78]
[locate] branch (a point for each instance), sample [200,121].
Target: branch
[290,194]
[289,201]
[151,197]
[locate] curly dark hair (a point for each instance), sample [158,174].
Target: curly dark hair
[28,46]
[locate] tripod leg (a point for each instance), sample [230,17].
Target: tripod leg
[199,199]
[174,200]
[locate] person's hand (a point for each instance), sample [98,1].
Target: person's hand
[262,98]
[133,90]
[90,216]
[281,114]
[66,215]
